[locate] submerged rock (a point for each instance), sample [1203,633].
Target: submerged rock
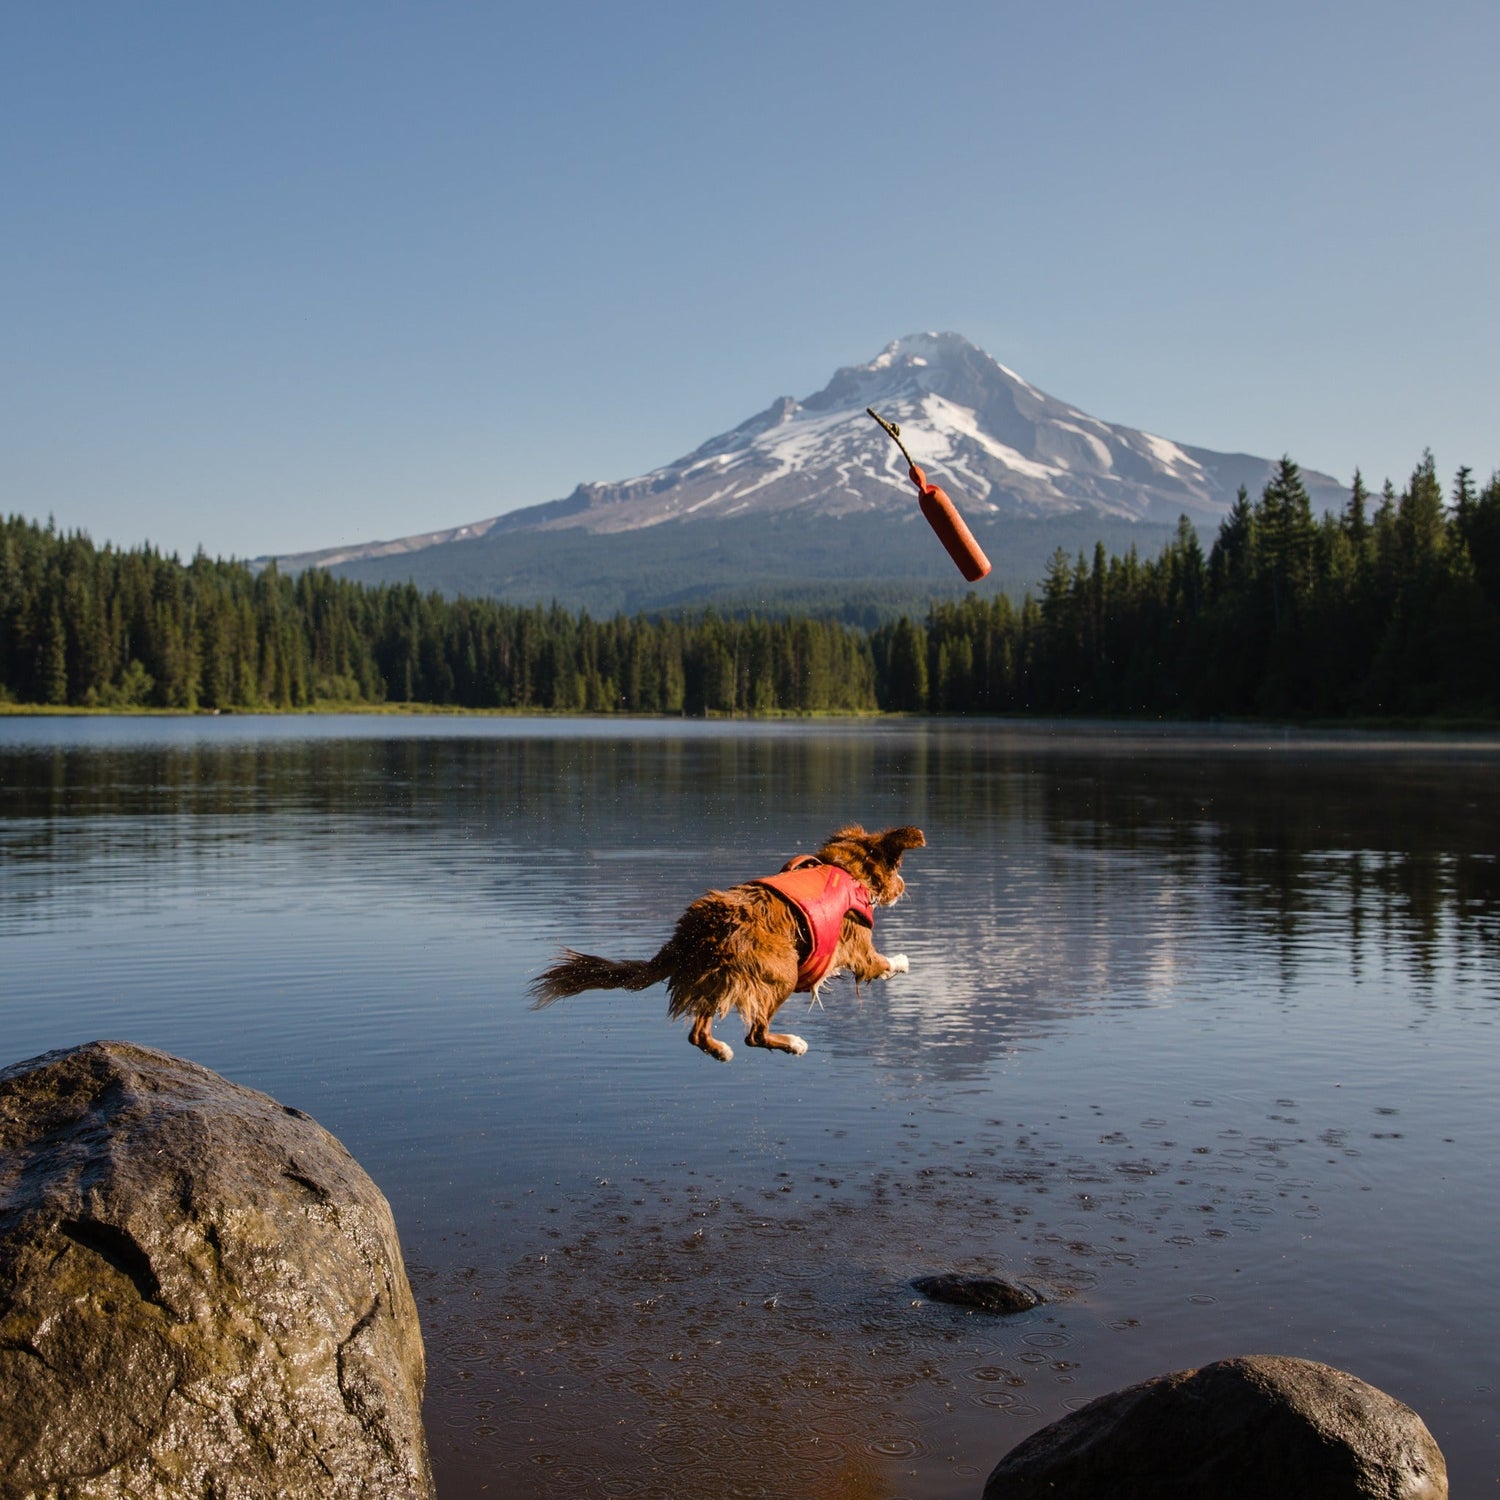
[1240,1429]
[201,1293]
[986,1293]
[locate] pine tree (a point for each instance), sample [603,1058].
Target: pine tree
[53,663]
[907,673]
[1464,498]
[1419,515]
[1286,531]
[1356,520]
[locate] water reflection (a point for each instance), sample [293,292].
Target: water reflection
[1087,860]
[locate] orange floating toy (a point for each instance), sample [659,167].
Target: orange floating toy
[942,515]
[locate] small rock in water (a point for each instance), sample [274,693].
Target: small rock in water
[986,1293]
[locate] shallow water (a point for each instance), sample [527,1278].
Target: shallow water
[1197,1040]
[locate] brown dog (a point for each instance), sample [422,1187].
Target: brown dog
[750,947]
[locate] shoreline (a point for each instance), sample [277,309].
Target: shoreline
[1438,724]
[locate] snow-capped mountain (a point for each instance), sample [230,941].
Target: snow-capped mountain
[999,446]
[1005,451]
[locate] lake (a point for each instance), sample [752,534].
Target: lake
[1199,1039]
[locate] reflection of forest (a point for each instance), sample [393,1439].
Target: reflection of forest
[1304,845]
[1064,868]
[1139,869]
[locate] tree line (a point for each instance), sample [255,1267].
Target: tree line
[1388,608]
[101,627]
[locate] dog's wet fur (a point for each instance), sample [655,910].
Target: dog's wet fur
[740,949]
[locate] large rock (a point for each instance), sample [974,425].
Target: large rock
[1254,1427]
[201,1293]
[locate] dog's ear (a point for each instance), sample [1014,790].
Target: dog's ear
[894,842]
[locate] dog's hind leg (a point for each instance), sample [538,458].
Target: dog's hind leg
[702,1035]
[758,1036]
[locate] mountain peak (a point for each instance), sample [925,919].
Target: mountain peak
[1002,448]
[923,348]
[942,364]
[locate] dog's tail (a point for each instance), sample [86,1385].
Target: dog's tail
[575,972]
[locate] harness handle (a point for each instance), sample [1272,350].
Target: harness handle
[800,862]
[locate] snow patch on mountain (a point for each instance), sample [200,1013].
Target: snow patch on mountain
[1095,444]
[1169,453]
[953,422]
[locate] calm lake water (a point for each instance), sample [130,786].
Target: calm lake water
[1199,1038]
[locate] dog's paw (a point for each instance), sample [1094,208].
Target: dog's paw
[795,1045]
[899,964]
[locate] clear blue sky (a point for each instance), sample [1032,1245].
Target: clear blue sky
[278,276]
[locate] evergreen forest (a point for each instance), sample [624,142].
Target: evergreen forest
[1388,609]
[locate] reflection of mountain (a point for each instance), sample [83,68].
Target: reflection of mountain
[1065,871]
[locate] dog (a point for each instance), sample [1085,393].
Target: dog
[751,947]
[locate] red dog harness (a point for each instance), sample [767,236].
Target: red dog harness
[824,895]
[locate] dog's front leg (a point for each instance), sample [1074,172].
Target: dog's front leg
[856,952]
